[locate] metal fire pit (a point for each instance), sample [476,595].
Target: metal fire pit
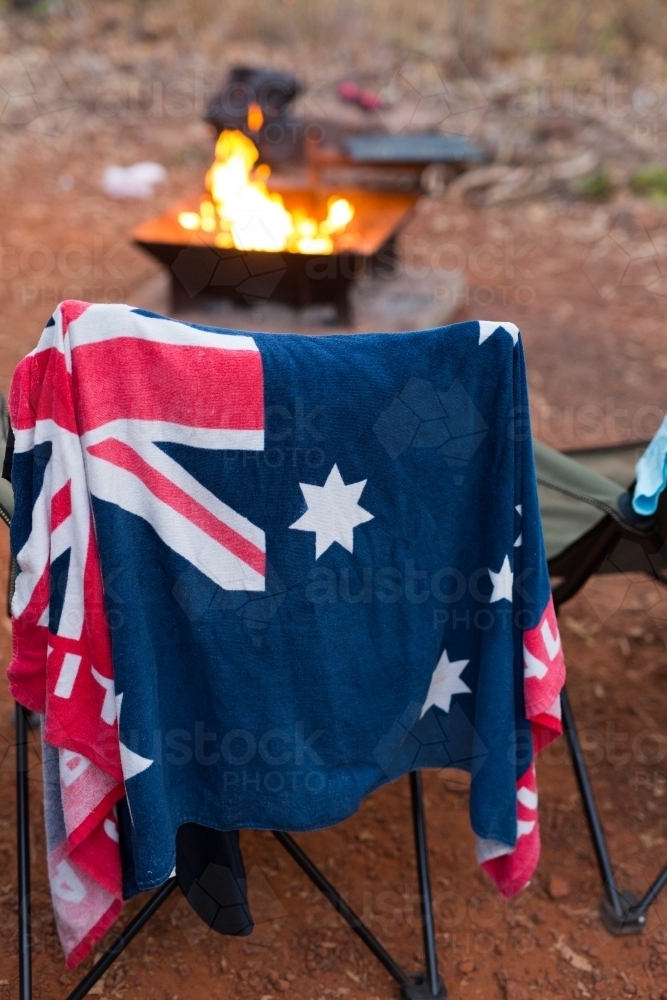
[199,269]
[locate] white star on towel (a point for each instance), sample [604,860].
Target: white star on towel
[487,328]
[131,763]
[446,681]
[502,582]
[333,512]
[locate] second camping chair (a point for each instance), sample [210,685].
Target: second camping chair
[590,527]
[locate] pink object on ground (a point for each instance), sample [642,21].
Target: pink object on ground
[354,94]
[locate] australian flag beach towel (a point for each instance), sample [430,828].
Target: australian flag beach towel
[262,575]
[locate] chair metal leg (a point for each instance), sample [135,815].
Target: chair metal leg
[122,941]
[621,912]
[654,890]
[23,845]
[24,915]
[339,904]
[435,984]
[413,987]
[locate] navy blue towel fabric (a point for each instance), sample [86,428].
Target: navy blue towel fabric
[284,708]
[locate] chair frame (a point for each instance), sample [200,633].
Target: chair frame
[620,912]
[413,986]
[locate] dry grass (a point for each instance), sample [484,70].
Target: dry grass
[477,28]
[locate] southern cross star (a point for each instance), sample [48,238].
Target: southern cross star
[446,681]
[333,512]
[502,582]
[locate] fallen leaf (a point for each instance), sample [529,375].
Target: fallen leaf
[648,840]
[629,985]
[576,960]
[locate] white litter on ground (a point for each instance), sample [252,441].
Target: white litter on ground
[136,181]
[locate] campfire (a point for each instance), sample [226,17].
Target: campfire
[243,213]
[246,241]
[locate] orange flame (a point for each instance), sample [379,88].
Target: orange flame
[255,118]
[243,213]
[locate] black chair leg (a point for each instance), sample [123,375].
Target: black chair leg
[341,906]
[23,836]
[435,985]
[621,912]
[413,986]
[120,944]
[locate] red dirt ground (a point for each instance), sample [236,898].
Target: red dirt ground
[584,283]
[583,350]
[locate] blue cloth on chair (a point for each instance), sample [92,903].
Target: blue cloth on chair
[322,561]
[651,470]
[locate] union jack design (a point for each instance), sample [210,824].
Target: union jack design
[105,445]
[544,676]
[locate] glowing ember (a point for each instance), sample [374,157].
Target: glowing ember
[243,213]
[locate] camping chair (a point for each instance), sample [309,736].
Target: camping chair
[413,986]
[590,527]
[586,516]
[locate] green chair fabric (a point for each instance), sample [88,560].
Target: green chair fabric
[579,495]
[579,489]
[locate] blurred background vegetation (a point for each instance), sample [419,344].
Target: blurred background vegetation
[476,29]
